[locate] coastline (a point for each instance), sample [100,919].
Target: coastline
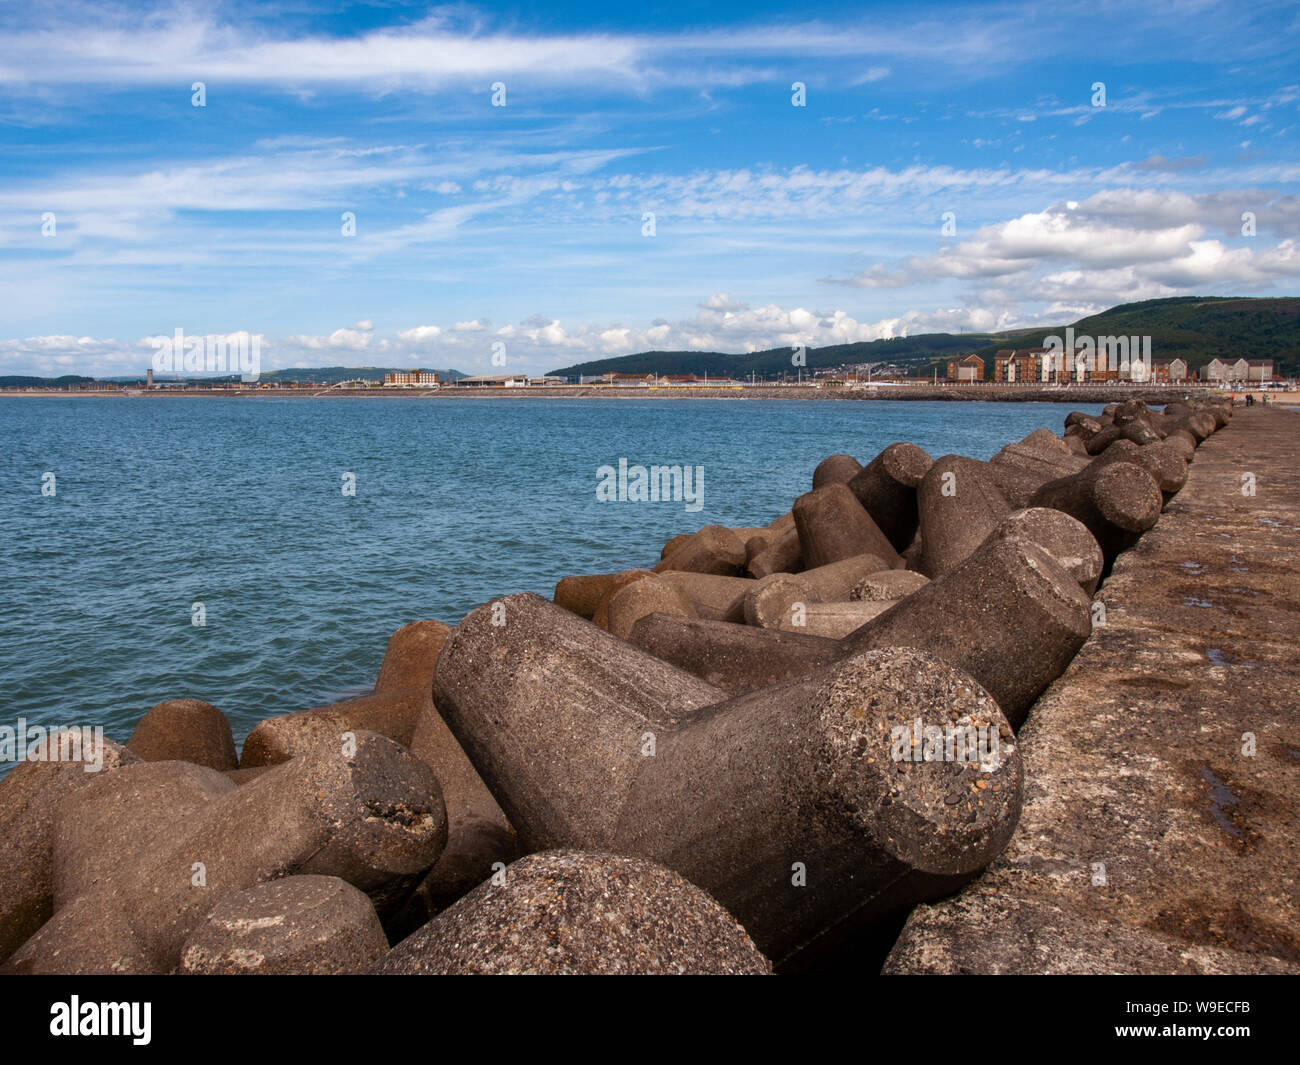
[986,393]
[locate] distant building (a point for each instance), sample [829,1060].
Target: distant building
[1258,370]
[1215,370]
[410,379]
[148,378]
[494,380]
[630,378]
[1168,371]
[966,368]
[1012,366]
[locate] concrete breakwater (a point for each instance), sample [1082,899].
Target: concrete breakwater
[755,754]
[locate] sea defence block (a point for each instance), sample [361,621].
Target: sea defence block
[138,807]
[833,620]
[959,506]
[772,600]
[735,658]
[185,730]
[620,581]
[1067,540]
[837,469]
[713,597]
[1009,616]
[1162,461]
[674,543]
[746,798]
[582,593]
[410,657]
[29,795]
[370,814]
[1137,432]
[834,526]
[572,912]
[782,555]
[1042,452]
[298,925]
[532,663]
[478,832]
[1182,443]
[886,488]
[887,585]
[1117,501]
[649,595]
[834,581]
[768,601]
[783,524]
[1020,469]
[714,549]
[277,739]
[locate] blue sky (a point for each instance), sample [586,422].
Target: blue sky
[523,224]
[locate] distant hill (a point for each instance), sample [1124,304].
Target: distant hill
[328,375]
[22,381]
[1196,328]
[325,375]
[775,361]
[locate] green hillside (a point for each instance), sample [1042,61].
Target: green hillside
[328,375]
[1196,328]
[776,361]
[24,381]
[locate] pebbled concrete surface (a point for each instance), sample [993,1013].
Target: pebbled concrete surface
[1150,841]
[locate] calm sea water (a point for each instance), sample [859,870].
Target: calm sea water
[238,504]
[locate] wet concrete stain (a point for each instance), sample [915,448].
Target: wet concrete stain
[1222,797]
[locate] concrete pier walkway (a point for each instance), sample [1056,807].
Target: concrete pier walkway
[1161,824]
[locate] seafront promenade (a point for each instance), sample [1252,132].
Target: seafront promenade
[1162,769]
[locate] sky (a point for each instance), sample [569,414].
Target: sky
[576,181]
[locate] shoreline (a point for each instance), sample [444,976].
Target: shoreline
[984,393]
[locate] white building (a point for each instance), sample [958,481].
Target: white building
[410,379]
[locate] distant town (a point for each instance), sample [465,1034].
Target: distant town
[1036,366]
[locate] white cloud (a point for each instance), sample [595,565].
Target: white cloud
[1117,246]
[419,335]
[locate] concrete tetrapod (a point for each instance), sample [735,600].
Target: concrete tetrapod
[834,526]
[736,658]
[1061,536]
[1164,462]
[372,815]
[714,549]
[886,488]
[29,796]
[185,730]
[1009,616]
[785,804]
[297,925]
[837,469]
[576,913]
[1117,501]
[783,554]
[959,506]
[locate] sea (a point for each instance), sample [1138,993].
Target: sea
[257,553]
